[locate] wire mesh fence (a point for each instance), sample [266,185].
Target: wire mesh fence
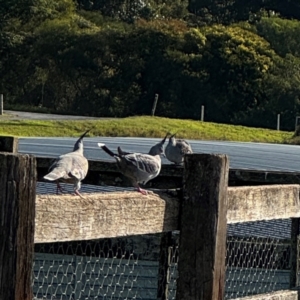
[258,258]
[256,266]
[257,261]
[119,268]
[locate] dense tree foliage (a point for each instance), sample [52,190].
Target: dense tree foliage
[109,58]
[229,11]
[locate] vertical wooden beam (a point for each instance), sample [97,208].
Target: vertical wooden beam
[278,121]
[295,232]
[9,144]
[164,266]
[203,228]
[154,105]
[1,104]
[17,213]
[202,113]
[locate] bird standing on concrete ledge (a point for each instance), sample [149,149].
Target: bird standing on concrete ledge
[138,167]
[71,167]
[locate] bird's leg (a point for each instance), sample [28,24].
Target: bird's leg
[58,188]
[78,194]
[77,187]
[140,190]
[144,192]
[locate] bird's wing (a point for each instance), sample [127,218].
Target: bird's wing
[79,167]
[56,170]
[184,147]
[143,163]
[68,165]
[53,164]
[55,174]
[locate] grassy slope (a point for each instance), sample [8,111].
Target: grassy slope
[143,127]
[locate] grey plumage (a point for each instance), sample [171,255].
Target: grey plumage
[159,147]
[71,167]
[138,167]
[176,149]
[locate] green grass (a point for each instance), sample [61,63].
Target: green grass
[143,127]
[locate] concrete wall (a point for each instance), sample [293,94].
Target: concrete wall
[279,295]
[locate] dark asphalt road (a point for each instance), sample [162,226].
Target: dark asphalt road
[21,115]
[257,156]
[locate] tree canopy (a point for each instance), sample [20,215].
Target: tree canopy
[110,58]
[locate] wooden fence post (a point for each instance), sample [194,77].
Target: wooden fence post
[17,213]
[1,104]
[154,105]
[203,228]
[295,232]
[9,144]
[202,113]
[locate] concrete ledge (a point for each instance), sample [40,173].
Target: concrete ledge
[279,295]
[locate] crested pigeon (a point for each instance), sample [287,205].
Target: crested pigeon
[138,167]
[71,167]
[176,149]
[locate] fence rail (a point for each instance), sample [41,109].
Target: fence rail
[103,215]
[200,211]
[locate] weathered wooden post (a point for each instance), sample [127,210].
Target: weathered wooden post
[1,104]
[9,144]
[202,113]
[17,218]
[154,105]
[203,227]
[295,234]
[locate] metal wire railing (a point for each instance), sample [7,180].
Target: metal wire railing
[258,258]
[257,261]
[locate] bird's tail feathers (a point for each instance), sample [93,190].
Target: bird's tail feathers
[54,175]
[121,152]
[109,152]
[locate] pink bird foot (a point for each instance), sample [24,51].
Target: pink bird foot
[144,192]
